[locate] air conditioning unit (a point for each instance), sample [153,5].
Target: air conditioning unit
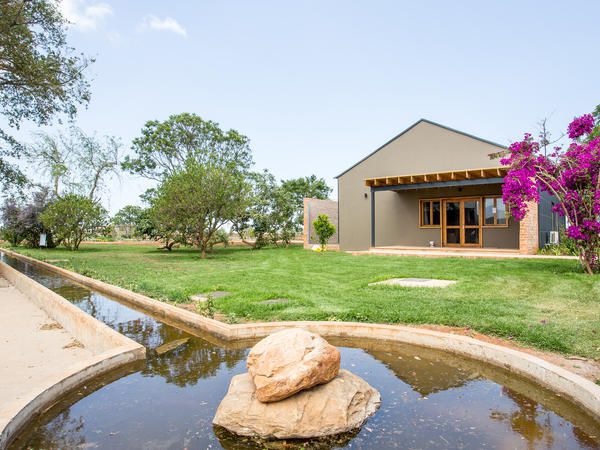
[553,238]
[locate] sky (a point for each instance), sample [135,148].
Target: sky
[318,85]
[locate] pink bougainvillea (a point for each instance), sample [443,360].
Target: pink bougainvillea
[581,125]
[571,175]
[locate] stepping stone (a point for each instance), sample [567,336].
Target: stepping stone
[204,296]
[170,346]
[415,282]
[274,301]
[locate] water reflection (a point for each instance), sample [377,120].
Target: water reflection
[427,374]
[430,399]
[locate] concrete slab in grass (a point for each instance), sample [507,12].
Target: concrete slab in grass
[415,282]
[204,296]
[275,301]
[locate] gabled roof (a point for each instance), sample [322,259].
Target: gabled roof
[410,128]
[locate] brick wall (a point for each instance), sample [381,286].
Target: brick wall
[312,208]
[529,231]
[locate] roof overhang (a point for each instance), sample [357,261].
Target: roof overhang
[454,177]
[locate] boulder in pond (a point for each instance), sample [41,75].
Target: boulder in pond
[289,361]
[339,406]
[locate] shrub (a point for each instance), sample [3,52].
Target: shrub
[324,229]
[565,247]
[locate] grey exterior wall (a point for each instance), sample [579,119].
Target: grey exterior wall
[547,219]
[398,222]
[424,148]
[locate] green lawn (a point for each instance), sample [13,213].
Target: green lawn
[549,304]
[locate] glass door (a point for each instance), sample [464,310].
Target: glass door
[462,222]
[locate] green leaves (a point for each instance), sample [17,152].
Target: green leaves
[324,229]
[72,218]
[40,75]
[167,147]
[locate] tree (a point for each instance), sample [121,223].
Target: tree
[164,148]
[21,220]
[72,218]
[324,229]
[136,219]
[12,230]
[40,75]
[30,219]
[572,175]
[269,214]
[194,203]
[76,162]
[305,187]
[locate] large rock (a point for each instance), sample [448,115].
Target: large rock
[289,361]
[336,407]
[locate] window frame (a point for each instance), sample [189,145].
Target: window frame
[422,201]
[495,209]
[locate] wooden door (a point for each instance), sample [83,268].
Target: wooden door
[462,222]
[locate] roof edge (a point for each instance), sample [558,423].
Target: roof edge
[410,128]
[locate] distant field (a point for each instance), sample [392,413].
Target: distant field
[548,304]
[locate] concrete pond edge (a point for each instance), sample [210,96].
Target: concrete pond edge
[580,391]
[109,348]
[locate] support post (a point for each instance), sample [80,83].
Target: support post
[529,242]
[372,218]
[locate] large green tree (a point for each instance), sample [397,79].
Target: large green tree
[75,161]
[305,187]
[164,148]
[137,220]
[270,214]
[196,201]
[203,173]
[40,75]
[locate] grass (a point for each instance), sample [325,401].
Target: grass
[548,304]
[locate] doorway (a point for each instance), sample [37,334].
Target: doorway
[461,225]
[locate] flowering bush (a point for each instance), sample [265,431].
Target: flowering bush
[571,175]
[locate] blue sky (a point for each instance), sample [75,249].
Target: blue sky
[317,85]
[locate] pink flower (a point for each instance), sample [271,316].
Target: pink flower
[581,125]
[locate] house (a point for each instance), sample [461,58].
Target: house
[433,186]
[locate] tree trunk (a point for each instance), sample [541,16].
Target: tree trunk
[585,262]
[251,244]
[203,251]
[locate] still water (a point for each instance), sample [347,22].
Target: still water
[429,399]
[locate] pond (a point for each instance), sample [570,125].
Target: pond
[430,399]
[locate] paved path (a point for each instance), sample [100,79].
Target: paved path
[32,346]
[454,254]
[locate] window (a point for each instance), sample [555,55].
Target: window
[430,213]
[495,212]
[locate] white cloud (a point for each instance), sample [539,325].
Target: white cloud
[83,16]
[167,24]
